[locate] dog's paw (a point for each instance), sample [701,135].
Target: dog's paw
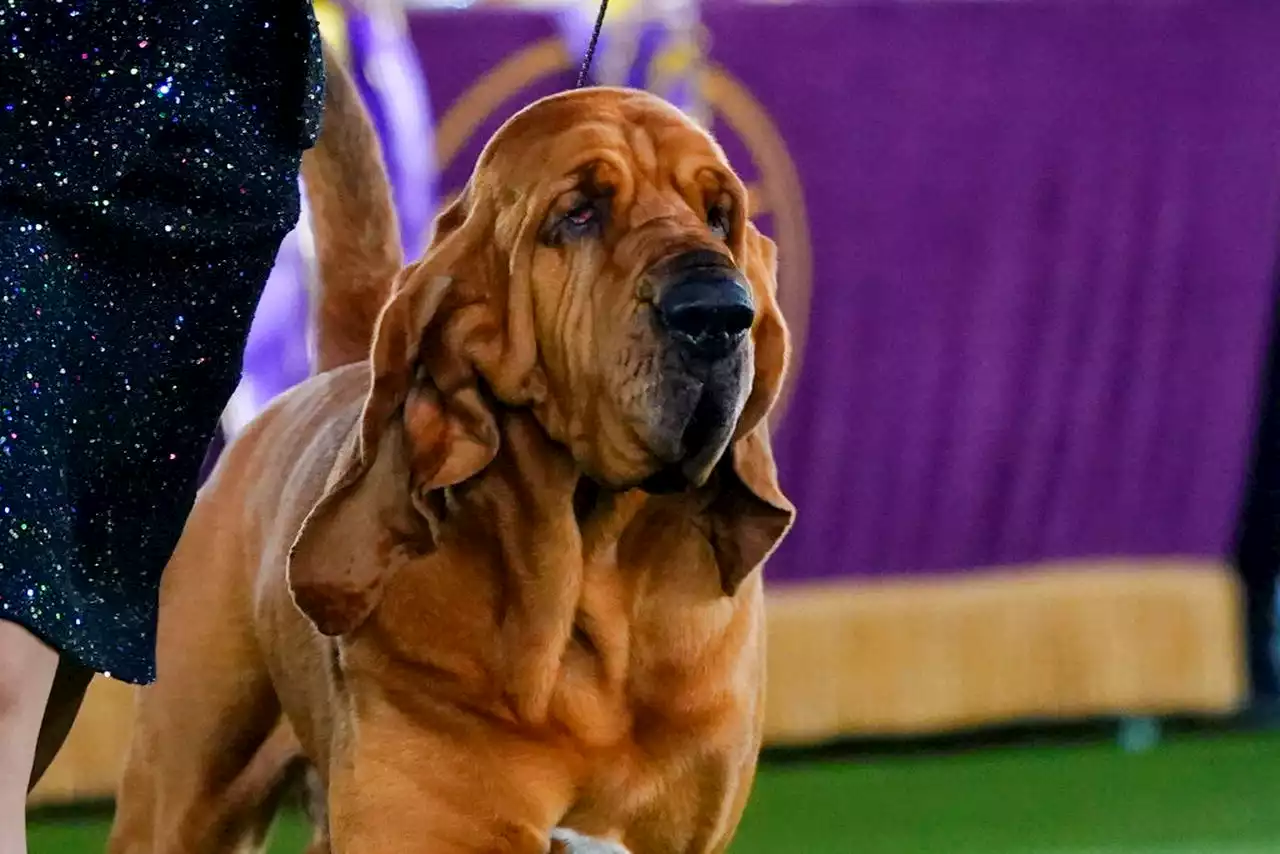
[565,841]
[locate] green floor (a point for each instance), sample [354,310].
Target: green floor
[1205,795]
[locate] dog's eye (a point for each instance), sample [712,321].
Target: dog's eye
[581,220]
[718,220]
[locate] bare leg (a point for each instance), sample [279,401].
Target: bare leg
[27,666]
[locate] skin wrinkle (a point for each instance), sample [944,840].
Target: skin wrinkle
[645,154]
[634,185]
[566,318]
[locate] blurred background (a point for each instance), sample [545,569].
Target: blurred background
[1028,253]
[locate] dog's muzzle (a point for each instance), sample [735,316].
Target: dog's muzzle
[706,309]
[704,314]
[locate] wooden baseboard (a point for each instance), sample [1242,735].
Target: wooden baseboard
[1054,642]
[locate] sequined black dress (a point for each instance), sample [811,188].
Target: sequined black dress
[148,171]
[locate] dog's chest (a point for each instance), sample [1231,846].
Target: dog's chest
[661,665]
[679,730]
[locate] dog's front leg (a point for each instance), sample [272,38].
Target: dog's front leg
[427,778]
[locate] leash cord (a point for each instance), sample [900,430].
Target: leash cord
[591,45]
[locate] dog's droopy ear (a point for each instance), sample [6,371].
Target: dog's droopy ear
[749,514]
[770,341]
[425,426]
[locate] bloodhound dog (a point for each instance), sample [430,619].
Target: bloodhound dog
[493,573]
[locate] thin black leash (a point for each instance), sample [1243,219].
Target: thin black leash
[591,45]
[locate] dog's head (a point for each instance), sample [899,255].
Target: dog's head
[600,272]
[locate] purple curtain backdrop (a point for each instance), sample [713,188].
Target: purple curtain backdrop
[390,77]
[1044,241]
[1043,238]
[644,37]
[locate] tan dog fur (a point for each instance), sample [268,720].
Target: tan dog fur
[427,570]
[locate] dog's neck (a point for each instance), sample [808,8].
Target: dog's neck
[555,530]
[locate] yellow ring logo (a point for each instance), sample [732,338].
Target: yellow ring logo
[777,193]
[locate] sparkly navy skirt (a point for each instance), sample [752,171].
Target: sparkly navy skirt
[148,171]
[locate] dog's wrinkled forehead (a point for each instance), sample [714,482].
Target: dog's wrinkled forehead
[559,133]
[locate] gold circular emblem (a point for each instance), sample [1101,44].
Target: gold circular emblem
[777,197]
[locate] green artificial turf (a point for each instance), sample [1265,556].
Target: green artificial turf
[1197,795]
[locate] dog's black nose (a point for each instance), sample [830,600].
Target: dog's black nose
[707,311]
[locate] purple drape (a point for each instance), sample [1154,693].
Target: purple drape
[387,71]
[642,38]
[1042,241]
[1044,237]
